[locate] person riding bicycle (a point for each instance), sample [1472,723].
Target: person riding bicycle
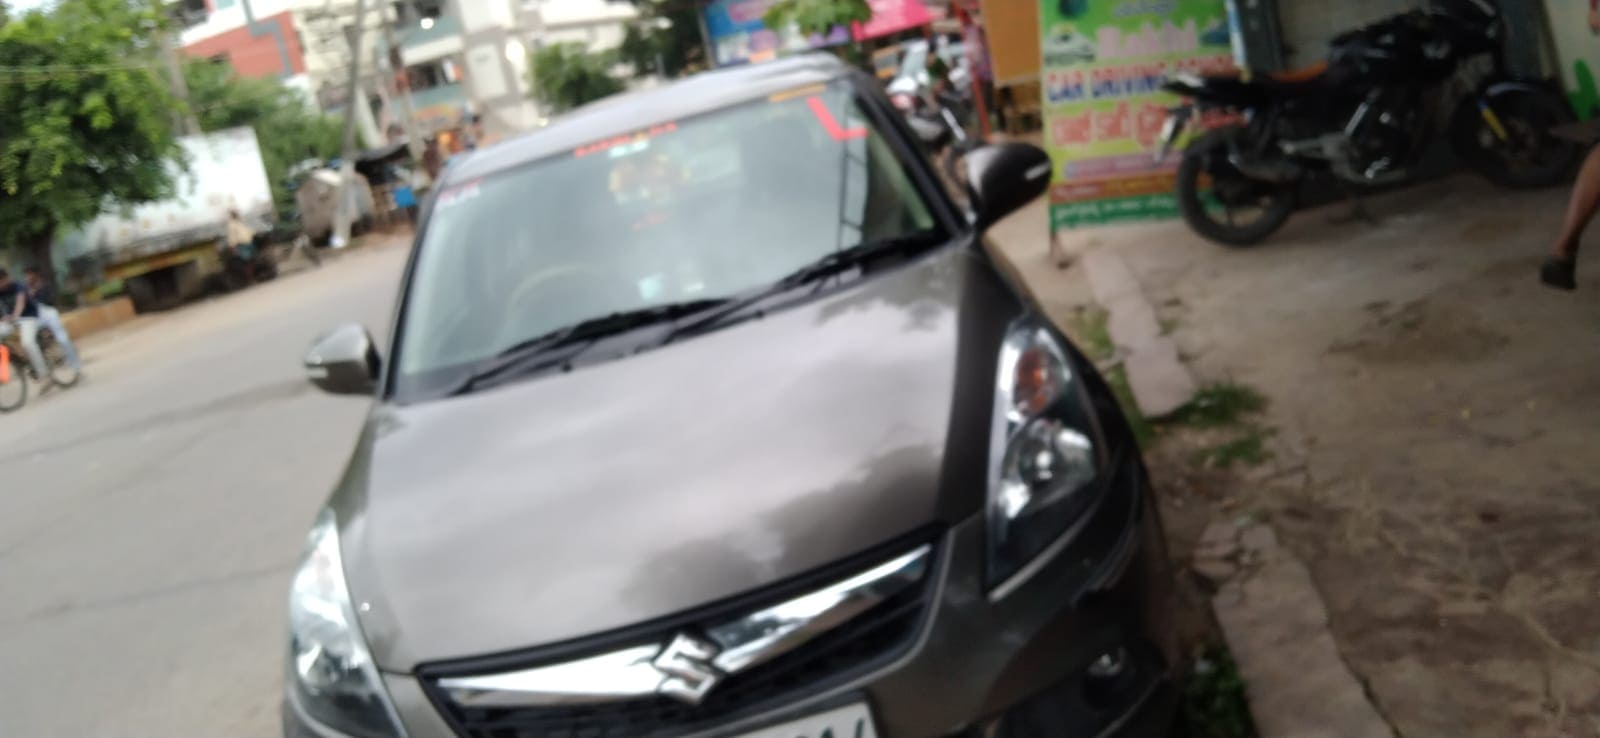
[22,315]
[44,296]
[241,237]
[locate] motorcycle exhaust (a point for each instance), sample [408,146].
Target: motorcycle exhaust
[1269,170]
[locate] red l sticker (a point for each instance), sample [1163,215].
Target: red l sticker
[831,124]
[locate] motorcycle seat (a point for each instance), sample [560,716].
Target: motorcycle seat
[1303,81]
[1233,87]
[1301,75]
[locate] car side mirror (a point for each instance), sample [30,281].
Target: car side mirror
[344,361]
[1005,177]
[931,134]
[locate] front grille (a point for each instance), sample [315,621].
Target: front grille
[866,642]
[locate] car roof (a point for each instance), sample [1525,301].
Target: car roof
[634,111]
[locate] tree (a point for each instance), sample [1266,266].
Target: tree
[288,131]
[817,17]
[85,121]
[665,40]
[566,75]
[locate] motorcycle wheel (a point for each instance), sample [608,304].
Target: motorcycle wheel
[1230,192]
[14,391]
[1533,156]
[61,373]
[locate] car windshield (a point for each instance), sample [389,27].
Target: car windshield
[675,212]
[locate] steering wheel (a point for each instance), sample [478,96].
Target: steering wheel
[537,280]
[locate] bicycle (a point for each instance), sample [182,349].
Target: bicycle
[16,373]
[62,373]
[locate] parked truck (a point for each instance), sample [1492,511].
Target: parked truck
[165,252]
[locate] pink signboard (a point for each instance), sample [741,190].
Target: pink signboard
[892,16]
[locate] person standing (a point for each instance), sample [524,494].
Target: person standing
[474,136]
[1560,268]
[432,159]
[22,314]
[44,297]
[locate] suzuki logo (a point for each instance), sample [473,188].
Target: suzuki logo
[686,662]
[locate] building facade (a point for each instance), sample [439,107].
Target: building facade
[460,57]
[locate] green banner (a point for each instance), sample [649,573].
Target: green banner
[1575,26]
[1104,63]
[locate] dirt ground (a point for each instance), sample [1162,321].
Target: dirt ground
[1437,441]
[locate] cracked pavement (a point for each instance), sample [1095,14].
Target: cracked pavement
[150,517]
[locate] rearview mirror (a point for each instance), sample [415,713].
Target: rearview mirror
[1005,177]
[344,361]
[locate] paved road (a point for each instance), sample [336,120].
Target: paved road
[150,518]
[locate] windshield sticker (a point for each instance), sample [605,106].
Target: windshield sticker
[831,124]
[652,286]
[633,147]
[457,195]
[797,92]
[625,140]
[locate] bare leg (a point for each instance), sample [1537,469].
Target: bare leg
[1560,270]
[1585,201]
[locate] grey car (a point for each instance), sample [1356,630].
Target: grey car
[704,412]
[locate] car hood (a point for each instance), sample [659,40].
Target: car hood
[575,503]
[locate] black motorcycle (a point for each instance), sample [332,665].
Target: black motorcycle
[240,270]
[940,120]
[1365,117]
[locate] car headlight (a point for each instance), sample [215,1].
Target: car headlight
[330,670]
[1043,454]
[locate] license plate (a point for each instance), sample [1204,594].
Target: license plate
[850,721]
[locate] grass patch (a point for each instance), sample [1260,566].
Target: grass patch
[1088,329]
[1214,701]
[1221,404]
[1143,431]
[1249,449]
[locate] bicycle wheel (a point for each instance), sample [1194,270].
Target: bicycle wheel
[14,388]
[62,373]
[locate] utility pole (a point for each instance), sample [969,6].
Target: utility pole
[347,156]
[399,82]
[184,116]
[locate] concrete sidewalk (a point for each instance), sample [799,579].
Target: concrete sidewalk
[1443,406]
[1275,623]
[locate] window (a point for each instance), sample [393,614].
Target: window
[432,74]
[702,208]
[414,10]
[190,13]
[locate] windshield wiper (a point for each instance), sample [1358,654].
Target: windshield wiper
[520,357]
[839,261]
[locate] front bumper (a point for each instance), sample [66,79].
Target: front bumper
[1081,647]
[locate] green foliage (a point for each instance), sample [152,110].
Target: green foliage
[1214,698]
[86,122]
[1221,404]
[816,16]
[1144,433]
[566,75]
[288,131]
[1089,329]
[1249,448]
[665,41]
